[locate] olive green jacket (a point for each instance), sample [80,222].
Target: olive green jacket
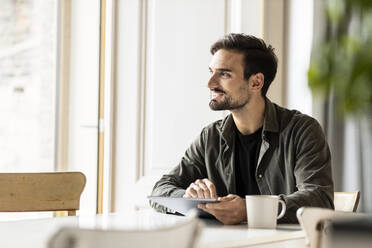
[294,161]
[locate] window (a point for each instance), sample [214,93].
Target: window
[28,42]
[50,61]
[27,85]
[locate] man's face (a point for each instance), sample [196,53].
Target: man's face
[229,89]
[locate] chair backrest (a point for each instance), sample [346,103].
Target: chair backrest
[314,220]
[28,192]
[346,201]
[181,235]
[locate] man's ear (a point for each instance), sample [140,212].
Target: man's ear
[258,81]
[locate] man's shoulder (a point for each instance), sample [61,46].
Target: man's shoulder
[294,118]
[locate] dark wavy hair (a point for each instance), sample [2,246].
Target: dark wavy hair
[258,57]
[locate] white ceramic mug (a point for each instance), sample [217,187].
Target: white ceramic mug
[262,210]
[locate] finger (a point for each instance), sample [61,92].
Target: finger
[226,216]
[204,187]
[220,215]
[211,188]
[229,197]
[225,198]
[204,208]
[218,206]
[198,190]
[223,216]
[201,205]
[187,193]
[191,192]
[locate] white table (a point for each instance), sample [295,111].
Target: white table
[35,233]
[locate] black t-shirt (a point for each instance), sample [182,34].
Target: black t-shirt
[247,151]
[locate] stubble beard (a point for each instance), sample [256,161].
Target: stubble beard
[227,103]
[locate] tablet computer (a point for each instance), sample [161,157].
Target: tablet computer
[182,205]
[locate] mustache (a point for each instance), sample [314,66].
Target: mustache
[218,90]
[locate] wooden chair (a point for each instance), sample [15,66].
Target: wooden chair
[28,192]
[346,201]
[314,222]
[181,235]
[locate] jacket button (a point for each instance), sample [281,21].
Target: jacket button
[260,176]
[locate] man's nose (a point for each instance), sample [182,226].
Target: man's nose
[212,82]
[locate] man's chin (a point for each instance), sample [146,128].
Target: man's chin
[215,106]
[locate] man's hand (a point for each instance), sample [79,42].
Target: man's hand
[230,210]
[201,188]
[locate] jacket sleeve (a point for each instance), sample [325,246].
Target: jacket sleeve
[191,167]
[312,171]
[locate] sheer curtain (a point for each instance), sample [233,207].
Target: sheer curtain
[349,137]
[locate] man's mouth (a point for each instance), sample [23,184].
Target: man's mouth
[216,93]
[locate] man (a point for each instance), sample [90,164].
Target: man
[260,148]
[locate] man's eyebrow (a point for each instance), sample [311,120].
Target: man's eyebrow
[221,69]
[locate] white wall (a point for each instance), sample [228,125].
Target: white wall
[299,41]
[126,90]
[83,99]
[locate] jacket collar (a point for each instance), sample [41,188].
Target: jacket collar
[271,122]
[227,128]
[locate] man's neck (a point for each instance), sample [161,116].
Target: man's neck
[250,118]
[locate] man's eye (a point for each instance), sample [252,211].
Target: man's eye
[224,74]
